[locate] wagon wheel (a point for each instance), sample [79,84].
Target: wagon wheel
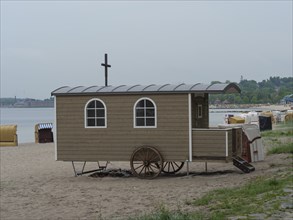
[146,162]
[172,167]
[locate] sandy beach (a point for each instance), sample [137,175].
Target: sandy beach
[35,186]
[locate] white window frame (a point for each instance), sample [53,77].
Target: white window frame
[85,114]
[134,113]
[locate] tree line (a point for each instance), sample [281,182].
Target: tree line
[269,91]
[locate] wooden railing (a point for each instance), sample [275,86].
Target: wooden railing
[212,144]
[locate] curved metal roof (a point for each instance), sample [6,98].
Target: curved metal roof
[154,89]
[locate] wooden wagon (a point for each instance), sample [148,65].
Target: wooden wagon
[155,127]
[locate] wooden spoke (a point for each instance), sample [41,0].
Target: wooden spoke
[141,165]
[146,162]
[172,167]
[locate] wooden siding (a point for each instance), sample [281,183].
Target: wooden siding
[119,139]
[211,143]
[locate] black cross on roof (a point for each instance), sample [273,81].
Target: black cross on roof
[106,65]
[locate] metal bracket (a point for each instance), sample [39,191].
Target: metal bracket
[76,173]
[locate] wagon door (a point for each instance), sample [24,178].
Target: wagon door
[200,111]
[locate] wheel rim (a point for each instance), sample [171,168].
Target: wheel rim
[146,162]
[172,167]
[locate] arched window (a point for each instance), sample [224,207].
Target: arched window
[95,114]
[145,113]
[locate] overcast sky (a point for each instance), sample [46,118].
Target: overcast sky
[48,44]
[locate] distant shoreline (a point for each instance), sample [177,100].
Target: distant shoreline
[256,107]
[245,107]
[26,103]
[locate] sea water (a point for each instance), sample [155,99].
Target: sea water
[27,118]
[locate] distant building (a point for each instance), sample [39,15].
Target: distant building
[288,99]
[217,102]
[226,102]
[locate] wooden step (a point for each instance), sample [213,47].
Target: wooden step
[243,165]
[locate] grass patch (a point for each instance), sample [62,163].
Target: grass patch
[282,149]
[277,133]
[244,200]
[162,213]
[223,203]
[280,139]
[280,130]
